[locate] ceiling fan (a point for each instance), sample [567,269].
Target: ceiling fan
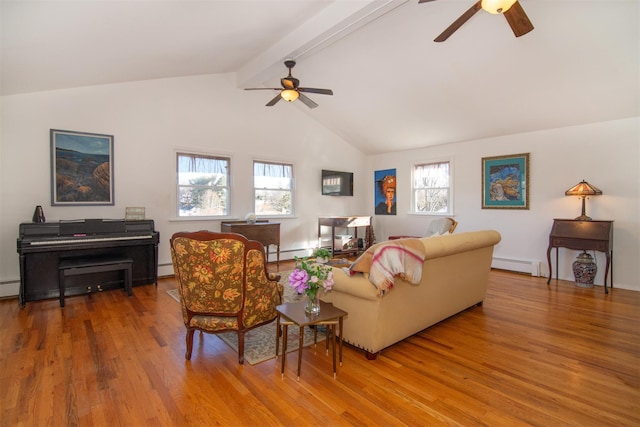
[511,9]
[291,90]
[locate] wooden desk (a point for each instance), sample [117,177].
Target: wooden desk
[345,222]
[267,233]
[582,235]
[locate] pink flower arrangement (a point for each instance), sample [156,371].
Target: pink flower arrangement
[308,278]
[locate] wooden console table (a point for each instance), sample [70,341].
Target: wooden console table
[582,235]
[345,222]
[267,233]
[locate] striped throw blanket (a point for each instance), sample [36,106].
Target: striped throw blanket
[402,258]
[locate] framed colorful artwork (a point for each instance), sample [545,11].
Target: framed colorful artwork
[81,168]
[505,182]
[385,192]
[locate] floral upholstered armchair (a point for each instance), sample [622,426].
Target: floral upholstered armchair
[223,284]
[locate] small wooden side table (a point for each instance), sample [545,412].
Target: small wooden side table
[293,314]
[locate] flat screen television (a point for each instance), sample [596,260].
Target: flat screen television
[335,183]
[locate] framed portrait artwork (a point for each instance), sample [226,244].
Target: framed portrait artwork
[505,182]
[81,168]
[385,192]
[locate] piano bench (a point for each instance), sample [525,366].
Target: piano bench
[78,266]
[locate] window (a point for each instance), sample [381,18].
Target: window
[203,185]
[432,188]
[273,188]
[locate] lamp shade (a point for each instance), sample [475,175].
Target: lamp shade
[289,95]
[497,6]
[583,188]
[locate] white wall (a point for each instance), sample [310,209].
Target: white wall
[150,120]
[605,154]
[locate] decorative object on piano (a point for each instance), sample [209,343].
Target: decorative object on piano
[38,215]
[505,182]
[81,168]
[583,189]
[134,213]
[584,270]
[250,218]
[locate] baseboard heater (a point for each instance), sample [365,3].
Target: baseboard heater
[290,254]
[529,266]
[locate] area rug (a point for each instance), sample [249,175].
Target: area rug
[260,343]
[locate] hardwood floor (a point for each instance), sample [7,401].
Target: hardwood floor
[533,354]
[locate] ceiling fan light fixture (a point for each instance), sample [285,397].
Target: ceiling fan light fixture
[289,95]
[497,6]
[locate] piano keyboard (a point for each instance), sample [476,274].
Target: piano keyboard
[87,239]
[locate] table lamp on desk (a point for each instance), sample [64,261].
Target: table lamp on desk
[583,189]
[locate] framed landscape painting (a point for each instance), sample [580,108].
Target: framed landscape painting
[505,182]
[81,168]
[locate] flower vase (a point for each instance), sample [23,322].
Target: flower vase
[313,304]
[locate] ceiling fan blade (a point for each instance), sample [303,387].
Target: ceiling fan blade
[315,90]
[263,88]
[274,101]
[518,20]
[458,22]
[307,101]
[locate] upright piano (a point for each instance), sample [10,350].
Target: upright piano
[42,246]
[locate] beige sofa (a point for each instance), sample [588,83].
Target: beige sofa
[454,278]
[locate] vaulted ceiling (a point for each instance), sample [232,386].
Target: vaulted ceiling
[394,88]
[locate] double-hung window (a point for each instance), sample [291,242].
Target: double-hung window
[272,188]
[432,188]
[203,185]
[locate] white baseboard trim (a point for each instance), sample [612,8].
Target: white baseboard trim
[9,289]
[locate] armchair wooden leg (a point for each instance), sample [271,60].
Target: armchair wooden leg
[189,339]
[241,347]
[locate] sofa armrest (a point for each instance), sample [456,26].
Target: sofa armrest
[357,285]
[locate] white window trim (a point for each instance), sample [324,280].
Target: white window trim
[293,187]
[175,217]
[451,210]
